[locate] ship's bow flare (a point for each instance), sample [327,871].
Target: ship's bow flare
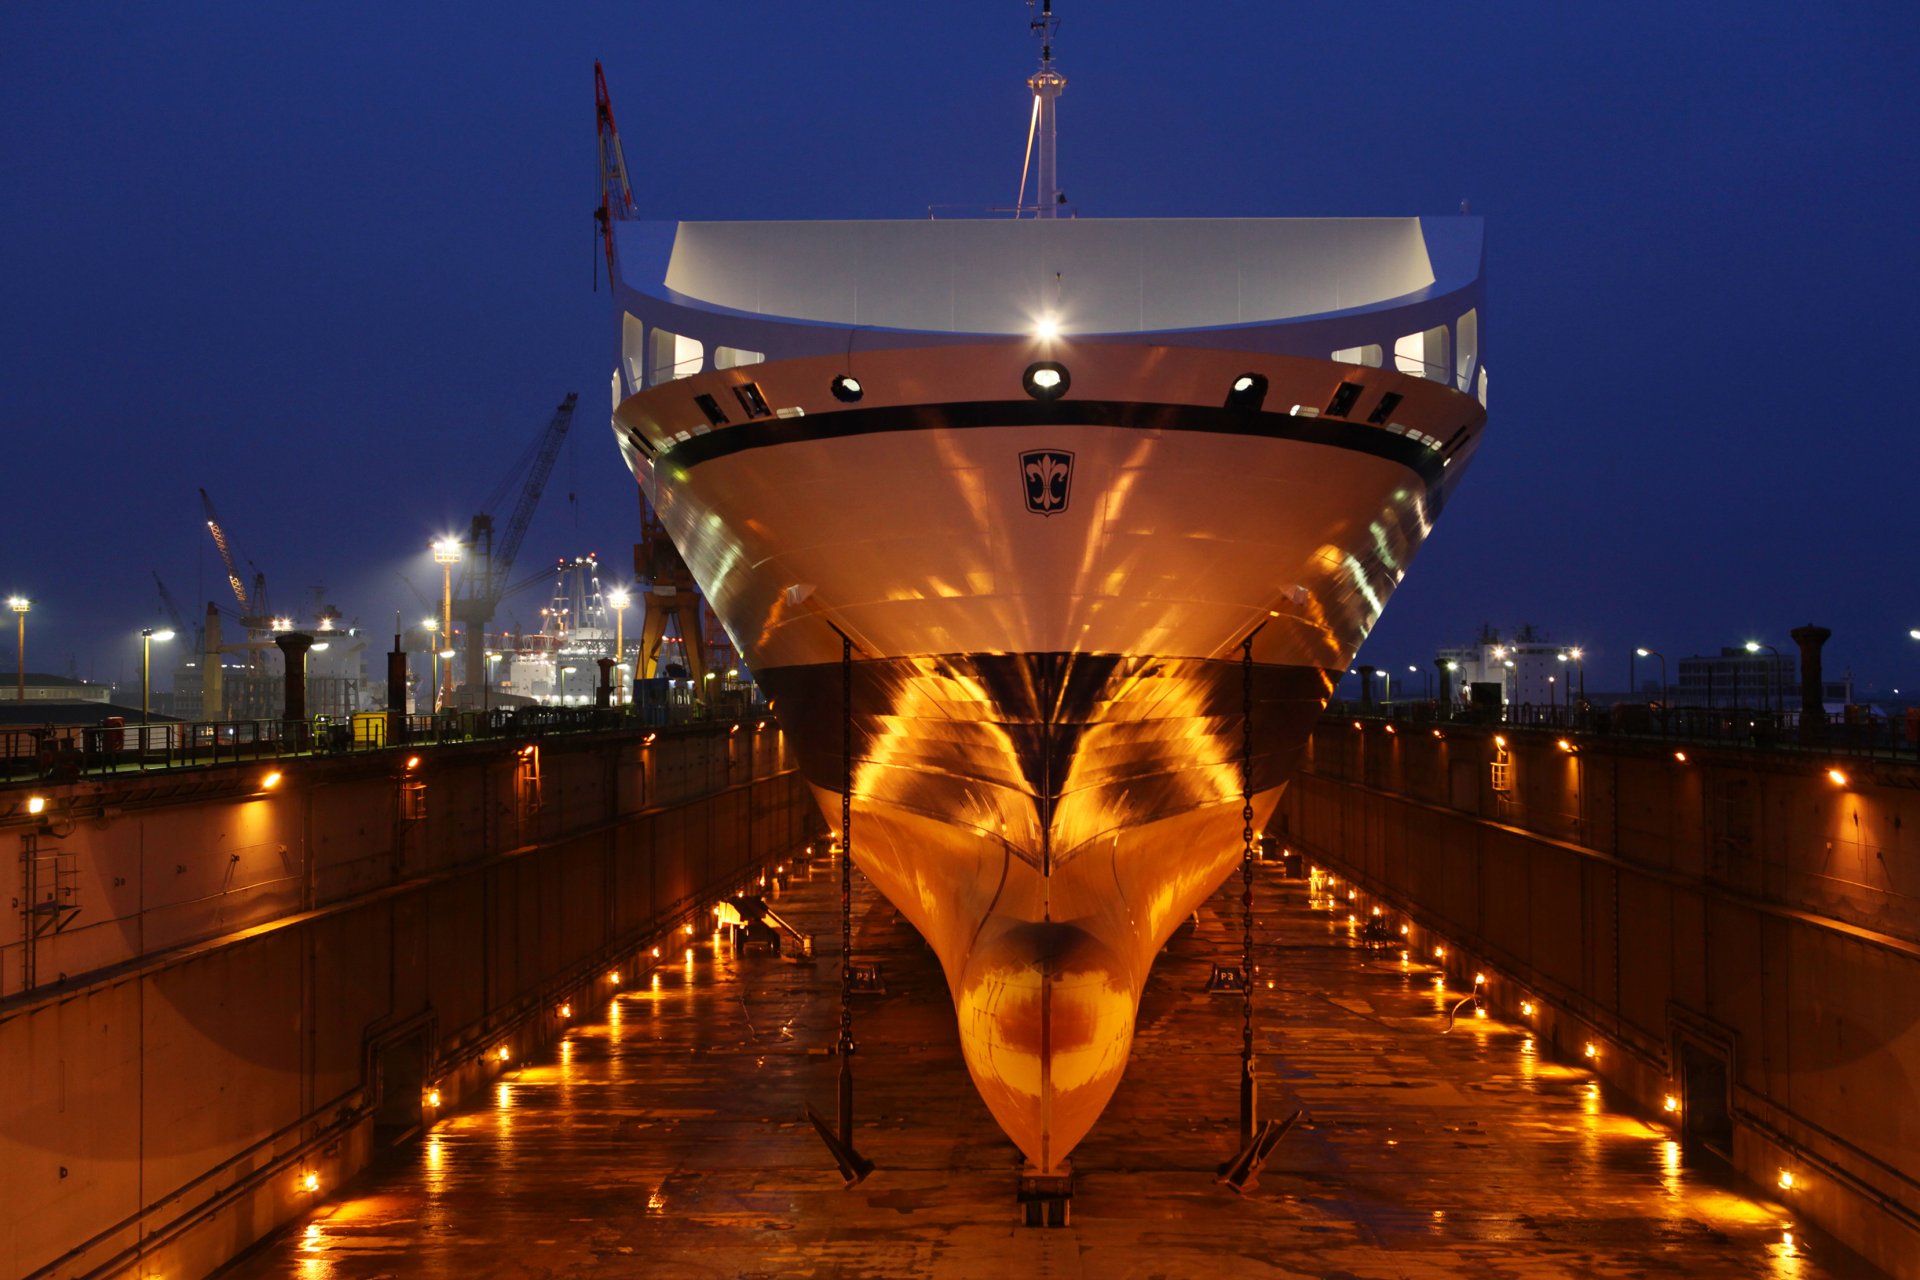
[1046,1022]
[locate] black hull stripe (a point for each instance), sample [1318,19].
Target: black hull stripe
[764,433]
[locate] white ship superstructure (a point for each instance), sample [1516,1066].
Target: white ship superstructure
[1046,477]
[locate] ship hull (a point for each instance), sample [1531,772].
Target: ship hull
[1063,638]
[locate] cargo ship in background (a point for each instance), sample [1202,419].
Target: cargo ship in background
[1044,478]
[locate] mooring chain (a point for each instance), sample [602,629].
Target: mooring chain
[1246,856]
[846,846]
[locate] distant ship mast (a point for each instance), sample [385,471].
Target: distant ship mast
[1047,85]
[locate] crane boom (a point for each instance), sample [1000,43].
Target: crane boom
[226,553]
[530,492]
[616,194]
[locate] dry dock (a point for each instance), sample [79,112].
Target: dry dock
[663,1135]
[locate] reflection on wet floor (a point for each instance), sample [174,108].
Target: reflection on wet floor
[665,1136]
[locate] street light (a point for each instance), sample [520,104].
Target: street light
[1772,683]
[20,605]
[486,697]
[1426,680]
[147,636]
[620,602]
[446,554]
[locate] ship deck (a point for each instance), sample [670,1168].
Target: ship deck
[665,1138]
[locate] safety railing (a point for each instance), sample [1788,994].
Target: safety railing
[64,752]
[1747,728]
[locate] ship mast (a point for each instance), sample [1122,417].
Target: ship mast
[1047,85]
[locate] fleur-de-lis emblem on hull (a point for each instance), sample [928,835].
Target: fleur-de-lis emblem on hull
[1047,473]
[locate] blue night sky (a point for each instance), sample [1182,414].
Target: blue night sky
[334,263]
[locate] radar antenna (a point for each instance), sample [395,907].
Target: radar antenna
[1047,85]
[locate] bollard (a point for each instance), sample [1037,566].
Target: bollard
[1813,703]
[293,717]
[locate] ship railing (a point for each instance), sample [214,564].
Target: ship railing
[1857,731]
[66,752]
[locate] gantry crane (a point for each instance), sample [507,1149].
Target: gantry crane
[483,582]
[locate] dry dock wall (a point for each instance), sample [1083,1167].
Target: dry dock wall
[258,987]
[1738,929]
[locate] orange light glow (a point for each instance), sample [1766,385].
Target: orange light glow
[1592,1050]
[566,1011]
[433,1097]
[1786,1180]
[1565,745]
[614,977]
[1526,1008]
[1670,1103]
[271,781]
[1439,953]
[1681,756]
[309,1181]
[413,762]
[503,1053]
[1839,778]
[1499,741]
[36,804]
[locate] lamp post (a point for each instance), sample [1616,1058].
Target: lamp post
[620,602]
[20,605]
[432,627]
[1386,689]
[1655,653]
[1770,688]
[446,554]
[1426,680]
[486,697]
[147,636]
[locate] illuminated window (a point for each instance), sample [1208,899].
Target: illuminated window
[633,350]
[734,357]
[1466,334]
[673,356]
[1370,355]
[1424,354]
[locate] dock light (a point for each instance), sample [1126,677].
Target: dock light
[1046,380]
[689,928]
[656,953]
[1839,778]
[36,804]
[1404,930]
[1480,1011]
[1439,953]
[1670,1104]
[1356,724]
[413,762]
[614,976]
[271,781]
[1565,746]
[433,1097]
[1353,919]
[1390,729]
[648,740]
[1479,979]
[1786,1180]
[1438,734]
[1376,911]
[689,955]
[1499,741]
[566,1011]
[1526,1008]
[1248,393]
[1592,1050]
[1680,756]
[846,389]
[503,1053]
[309,1181]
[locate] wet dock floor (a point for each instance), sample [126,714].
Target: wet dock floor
[666,1137]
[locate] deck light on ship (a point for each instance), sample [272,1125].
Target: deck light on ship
[614,976]
[846,388]
[656,953]
[689,928]
[1405,930]
[1248,392]
[1565,746]
[1046,380]
[413,762]
[1499,741]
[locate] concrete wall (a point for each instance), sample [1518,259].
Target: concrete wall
[259,985]
[1736,908]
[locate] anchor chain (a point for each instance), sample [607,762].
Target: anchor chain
[846,847]
[1246,885]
